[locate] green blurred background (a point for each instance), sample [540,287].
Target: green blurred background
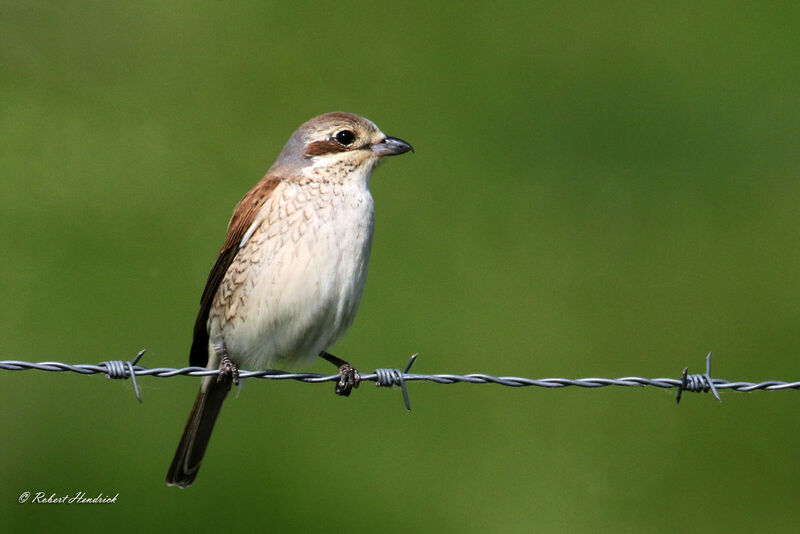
[599,189]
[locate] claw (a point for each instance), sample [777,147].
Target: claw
[348,379]
[228,370]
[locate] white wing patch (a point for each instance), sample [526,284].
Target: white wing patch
[249,232]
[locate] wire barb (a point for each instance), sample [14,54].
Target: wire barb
[395,377]
[697,383]
[119,369]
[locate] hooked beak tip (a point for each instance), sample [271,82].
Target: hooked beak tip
[391,146]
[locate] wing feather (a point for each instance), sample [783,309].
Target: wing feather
[240,223]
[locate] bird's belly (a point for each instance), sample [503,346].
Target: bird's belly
[298,283]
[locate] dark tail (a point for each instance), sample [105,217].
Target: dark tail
[198,429]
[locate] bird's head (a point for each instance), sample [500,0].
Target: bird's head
[337,142]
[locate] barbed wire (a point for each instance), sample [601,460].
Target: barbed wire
[388,377]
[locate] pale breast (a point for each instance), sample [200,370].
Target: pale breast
[295,285]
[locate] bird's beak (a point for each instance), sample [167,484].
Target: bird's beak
[390,146]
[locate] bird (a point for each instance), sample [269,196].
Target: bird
[289,277]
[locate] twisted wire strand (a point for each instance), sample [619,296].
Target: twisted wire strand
[395,377]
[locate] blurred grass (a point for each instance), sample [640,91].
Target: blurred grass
[598,189]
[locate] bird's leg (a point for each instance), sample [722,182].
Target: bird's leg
[349,377]
[229,370]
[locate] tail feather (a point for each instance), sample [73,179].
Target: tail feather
[198,429]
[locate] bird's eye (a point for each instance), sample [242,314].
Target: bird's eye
[345,137]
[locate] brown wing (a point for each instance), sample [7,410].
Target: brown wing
[243,217]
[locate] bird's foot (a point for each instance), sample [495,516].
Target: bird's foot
[228,370]
[348,379]
[348,375]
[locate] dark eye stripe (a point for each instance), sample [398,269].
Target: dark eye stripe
[318,148]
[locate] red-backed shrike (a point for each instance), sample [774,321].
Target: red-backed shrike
[289,278]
